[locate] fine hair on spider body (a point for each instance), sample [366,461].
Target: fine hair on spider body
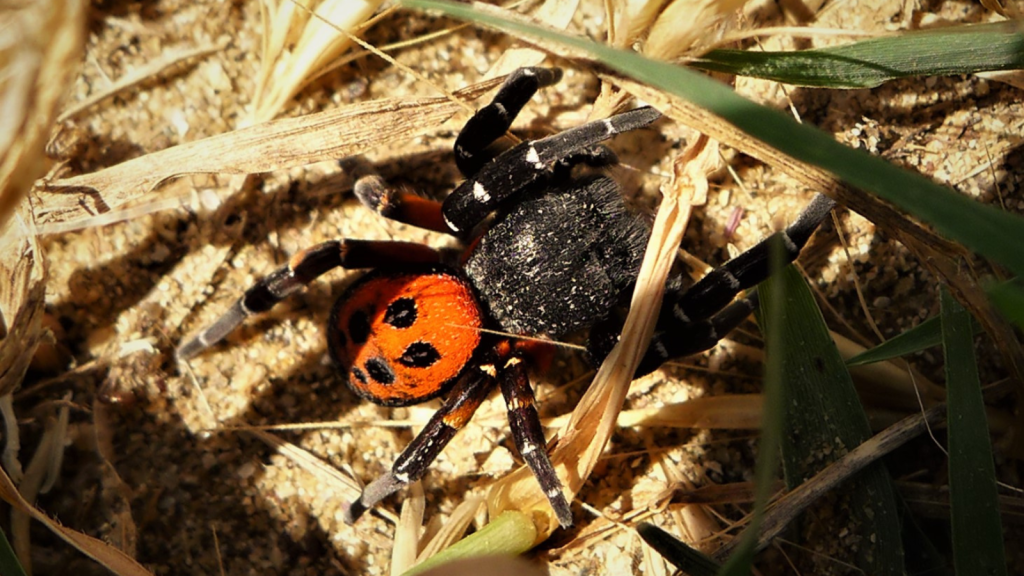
[547,253]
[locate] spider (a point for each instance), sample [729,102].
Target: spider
[548,253]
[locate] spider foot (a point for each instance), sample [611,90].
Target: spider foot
[378,490]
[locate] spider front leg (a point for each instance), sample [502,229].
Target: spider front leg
[471,151]
[469,392]
[532,162]
[303,268]
[493,121]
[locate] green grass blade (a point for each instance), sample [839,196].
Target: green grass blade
[985,229]
[1009,299]
[977,530]
[920,337]
[9,564]
[509,533]
[866,64]
[824,420]
[740,562]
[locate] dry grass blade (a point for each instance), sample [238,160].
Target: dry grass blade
[723,412]
[261,148]
[593,421]
[22,290]
[39,48]
[408,530]
[172,60]
[787,508]
[453,529]
[113,559]
[347,488]
[298,41]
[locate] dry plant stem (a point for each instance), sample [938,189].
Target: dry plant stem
[789,506]
[39,477]
[40,48]
[12,437]
[408,529]
[345,487]
[138,75]
[111,558]
[264,147]
[593,419]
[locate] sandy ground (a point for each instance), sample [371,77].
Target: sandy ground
[156,462]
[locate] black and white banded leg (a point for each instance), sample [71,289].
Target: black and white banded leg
[469,392]
[303,268]
[701,316]
[492,121]
[531,162]
[527,431]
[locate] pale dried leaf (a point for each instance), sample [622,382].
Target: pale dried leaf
[299,40]
[22,291]
[722,412]
[453,529]
[593,420]
[40,48]
[264,147]
[688,24]
[554,13]
[111,558]
[408,530]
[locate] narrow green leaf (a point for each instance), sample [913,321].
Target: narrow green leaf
[866,64]
[1009,299]
[772,314]
[824,420]
[920,337]
[9,564]
[977,530]
[690,561]
[510,533]
[985,229]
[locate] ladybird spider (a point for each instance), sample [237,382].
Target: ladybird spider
[561,252]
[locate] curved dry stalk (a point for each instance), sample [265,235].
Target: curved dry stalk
[594,419]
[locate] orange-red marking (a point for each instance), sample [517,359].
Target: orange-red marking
[447,317]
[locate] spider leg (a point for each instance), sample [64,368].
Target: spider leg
[528,433]
[467,395]
[695,320]
[493,121]
[700,335]
[527,163]
[399,205]
[303,268]
[471,150]
[715,290]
